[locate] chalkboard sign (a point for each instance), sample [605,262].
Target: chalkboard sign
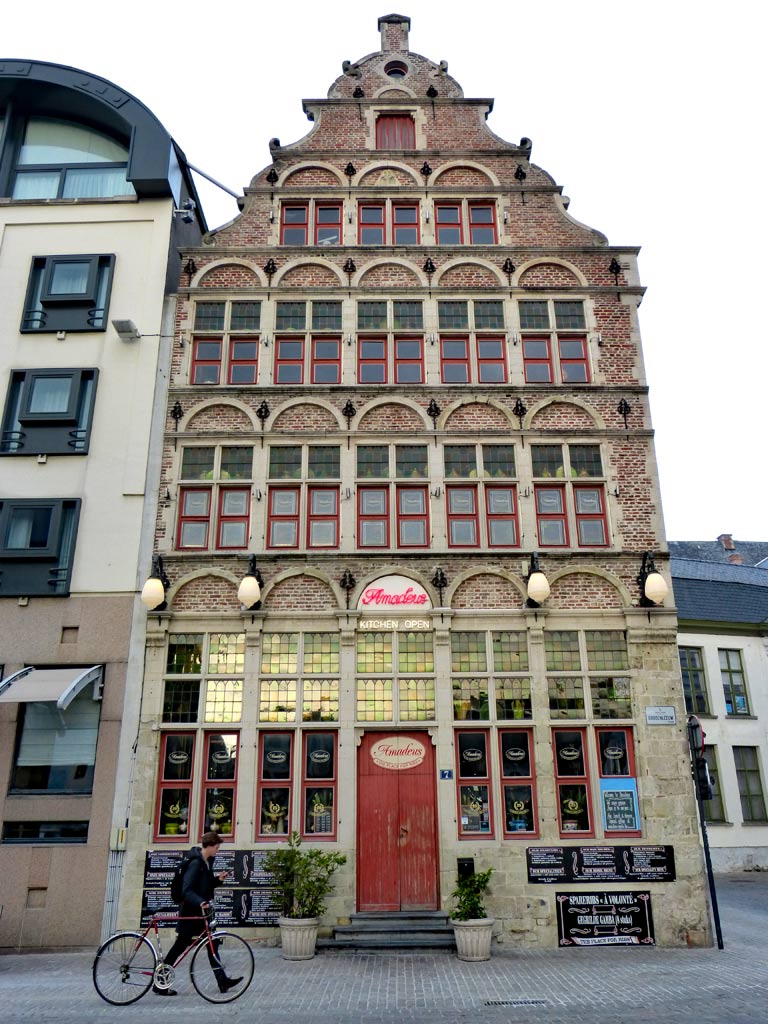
[619,810]
[551,864]
[604,919]
[244,900]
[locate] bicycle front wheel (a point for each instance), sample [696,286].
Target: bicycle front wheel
[124,968]
[223,973]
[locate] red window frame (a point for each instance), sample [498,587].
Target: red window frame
[283,783]
[249,363]
[410,225]
[492,517]
[164,784]
[530,362]
[363,361]
[313,518]
[318,782]
[405,361]
[468,782]
[443,226]
[226,519]
[395,131]
[486,362]
[510,779]
[288,361]
[590,517]
[462,517]
[317,363]
[403,518]
[475,226]
[370,226]
[574,369]
[630,774]
[564,781]
[273,517]
[454,361]
[187,518]
[294,225]
[364,517]
[210,784]
[325,225]
[550,517]
[199,362]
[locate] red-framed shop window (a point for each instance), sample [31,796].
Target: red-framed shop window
[491,361]
[454,360]
[294,224]
[448,227]
[373,517]
[274,789]
[409,360]
[618,781]
[319,812]
[574,365]
[463,520]
[518,784]
[395,131]
[206,361]
[327,223]
[412,517]
[591,524]
[502,516]
[234,516]
[370,224]
[219,797]
[326,360]
[482,224]
[405,224]
[372,361]
[194,518]
[283,517]
[243,360]
[473,784]
[174,795]
[537,360]
[574,803]
[551,517]
[289,361]
[322,517]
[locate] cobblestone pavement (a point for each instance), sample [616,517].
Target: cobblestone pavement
[606,986]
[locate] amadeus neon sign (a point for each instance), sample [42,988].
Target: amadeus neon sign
[390,596]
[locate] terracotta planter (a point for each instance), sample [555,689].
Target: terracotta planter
[473,938]
[298,936]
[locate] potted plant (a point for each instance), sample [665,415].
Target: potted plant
[471,925]
[573,804]
[301,880]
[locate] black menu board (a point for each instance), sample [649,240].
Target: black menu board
[604,919]
[551,864]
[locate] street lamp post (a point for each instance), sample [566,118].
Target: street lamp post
[703,789]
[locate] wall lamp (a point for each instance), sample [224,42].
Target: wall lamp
[347,583]
[653,586]
[186,211]
[153,591]
[439,581]
[537,584]
[126,330]
[249,591]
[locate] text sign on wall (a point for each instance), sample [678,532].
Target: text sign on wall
[393,594]
[621,810]
[397,753]
[604,919]
[551,864]
[658,714]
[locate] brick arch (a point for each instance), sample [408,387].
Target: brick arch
[458,177]
[583,591]
[310,275]
[228,275]
[301,593]
[486,590]
[549,275]
[389,275]
[468,275]
[219,417]
[388,175]
[557,415]
[208,593]
[392,94]
[476,416]
[308,177]
[306,416]
[392,416]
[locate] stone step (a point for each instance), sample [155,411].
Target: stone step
[393,930]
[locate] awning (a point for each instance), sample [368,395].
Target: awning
[61,685]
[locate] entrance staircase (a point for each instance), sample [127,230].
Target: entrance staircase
[416,929]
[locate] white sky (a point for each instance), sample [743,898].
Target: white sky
[651,115]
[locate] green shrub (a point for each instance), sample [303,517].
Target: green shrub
[302,878]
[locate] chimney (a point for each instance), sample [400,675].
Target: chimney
[726,539]
[394,33]
[735,559]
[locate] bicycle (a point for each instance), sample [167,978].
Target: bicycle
[129,963]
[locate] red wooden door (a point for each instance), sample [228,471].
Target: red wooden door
[396,823]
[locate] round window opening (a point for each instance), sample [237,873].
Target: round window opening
[396,69]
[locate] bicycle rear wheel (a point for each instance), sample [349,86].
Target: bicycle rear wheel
[124,968]
[233,960]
